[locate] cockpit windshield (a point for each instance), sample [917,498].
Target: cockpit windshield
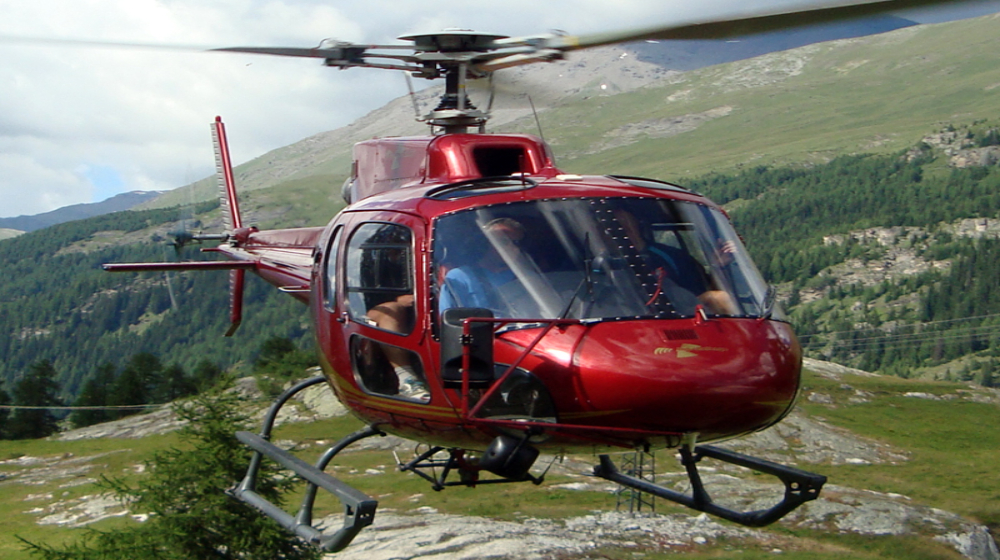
[596,258]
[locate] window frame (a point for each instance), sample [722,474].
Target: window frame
[360,316]
[330,271]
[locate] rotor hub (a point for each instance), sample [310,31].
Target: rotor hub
[453,40]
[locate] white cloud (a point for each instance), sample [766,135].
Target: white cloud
[52,186]
[145,113]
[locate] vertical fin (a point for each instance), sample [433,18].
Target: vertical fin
[236,278]
[230,217]
[224,170]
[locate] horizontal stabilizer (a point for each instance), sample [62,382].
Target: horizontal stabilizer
[174,266]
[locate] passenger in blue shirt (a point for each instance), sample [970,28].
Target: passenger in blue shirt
[475,284]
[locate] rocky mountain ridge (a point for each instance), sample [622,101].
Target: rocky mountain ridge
[901,253]
[117,203]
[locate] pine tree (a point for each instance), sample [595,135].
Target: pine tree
[137,383]
[4,413]
[128,389]
[184,491]
[174,384]
[280,358]
[206,375]
[273,351]
[987,374]
[94,394]
[37,389]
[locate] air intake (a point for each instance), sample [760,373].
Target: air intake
[680,334]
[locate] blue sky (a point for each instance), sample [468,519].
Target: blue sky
[106,181]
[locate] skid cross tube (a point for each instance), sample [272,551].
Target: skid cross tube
[800,486]
[455,462]
[359,508]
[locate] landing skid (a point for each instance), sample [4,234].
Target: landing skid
[800,486]
[359,508]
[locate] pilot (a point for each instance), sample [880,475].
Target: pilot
[681,275]
[475,284]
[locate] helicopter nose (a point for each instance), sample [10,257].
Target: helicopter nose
[720,378]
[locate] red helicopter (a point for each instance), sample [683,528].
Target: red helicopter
[475,297]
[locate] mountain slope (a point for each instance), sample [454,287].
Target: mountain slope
[872,94]
[58,305]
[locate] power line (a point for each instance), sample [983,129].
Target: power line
[905,344]
[970,332]
[118,407]
[914,325]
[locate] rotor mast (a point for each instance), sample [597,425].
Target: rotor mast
[451,53]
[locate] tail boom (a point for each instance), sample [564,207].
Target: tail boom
[283,258]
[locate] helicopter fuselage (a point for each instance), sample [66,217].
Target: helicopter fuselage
[626,378]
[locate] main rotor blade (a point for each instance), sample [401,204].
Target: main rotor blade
[340,54]
[321,51]
[516,51]
[337,51]
[314,52]
[751,23]
[50,42]
[343,55]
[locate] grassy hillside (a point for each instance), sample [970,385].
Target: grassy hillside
[808,105]
[949,464]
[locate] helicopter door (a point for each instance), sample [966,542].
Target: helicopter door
[381,304]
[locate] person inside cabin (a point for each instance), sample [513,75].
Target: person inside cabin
[475,284]
[678,274]
[380,283]
[397,316]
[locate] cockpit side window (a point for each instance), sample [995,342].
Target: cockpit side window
[330,271]
[379,277]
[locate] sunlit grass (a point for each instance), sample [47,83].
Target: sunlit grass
[110,457]
[953,444]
